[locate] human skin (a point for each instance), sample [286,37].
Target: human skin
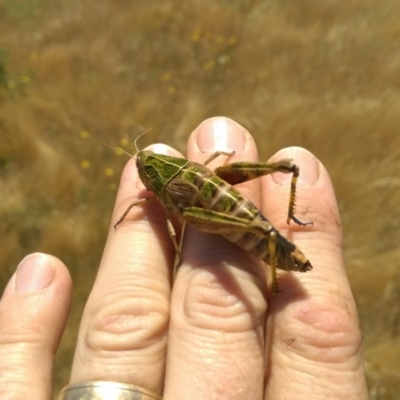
[227,338]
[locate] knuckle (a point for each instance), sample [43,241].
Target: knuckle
[214,303]
[322,331]
[17,381]
[129,324]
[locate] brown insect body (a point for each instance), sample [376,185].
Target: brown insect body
[207,200]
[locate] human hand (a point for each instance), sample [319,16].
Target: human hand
[217,315]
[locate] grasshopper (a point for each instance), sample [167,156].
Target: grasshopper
[208,201]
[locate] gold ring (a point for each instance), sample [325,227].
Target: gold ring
[106,390]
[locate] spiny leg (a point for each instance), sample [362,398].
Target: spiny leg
[292,199]
[244,171]
[133,204]
[272,262]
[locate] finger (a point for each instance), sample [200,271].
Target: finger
[33,312]
[123,332]
[218,304]
[313,331]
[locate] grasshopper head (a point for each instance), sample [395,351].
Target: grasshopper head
[146,164]
[157,170]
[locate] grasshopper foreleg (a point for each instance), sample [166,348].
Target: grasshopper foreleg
[178,254]
[133,204]
[178,247]
[239,172]
[172,235]
[217,154]
[170,227]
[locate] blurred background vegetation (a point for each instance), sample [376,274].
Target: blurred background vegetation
[324,75]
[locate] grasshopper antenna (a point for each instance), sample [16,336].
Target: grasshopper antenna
[117,149]
[135,143]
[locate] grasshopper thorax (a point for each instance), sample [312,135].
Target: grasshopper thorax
[157,170]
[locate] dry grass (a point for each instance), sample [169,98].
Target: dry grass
[323,75]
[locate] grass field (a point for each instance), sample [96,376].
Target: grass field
[324,75]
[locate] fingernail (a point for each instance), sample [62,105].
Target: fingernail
[220,134]
[160,148]
[34,272]
[307,163]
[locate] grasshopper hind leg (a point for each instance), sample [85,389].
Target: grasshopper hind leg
[239,172]
[273,262]
[294,169]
